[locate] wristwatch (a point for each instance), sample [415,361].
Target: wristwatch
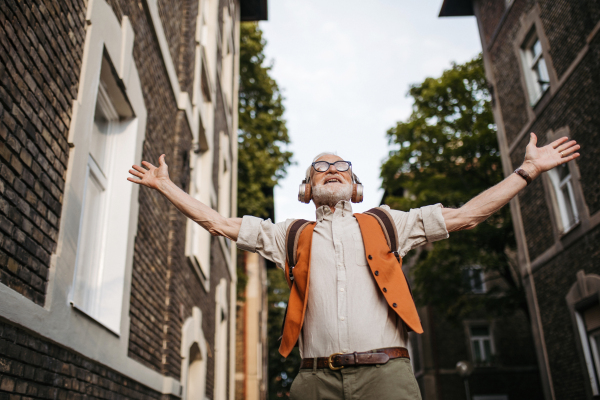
[523,174]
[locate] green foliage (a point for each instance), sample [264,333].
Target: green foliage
[282,371]
[262,161]
[262,132]
[447,152]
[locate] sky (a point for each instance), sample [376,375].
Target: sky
[344,70]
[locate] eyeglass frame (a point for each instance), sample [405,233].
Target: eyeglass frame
[330,164]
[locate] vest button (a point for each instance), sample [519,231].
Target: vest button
[376,273]
[384,290]
[394,305]
[370,257]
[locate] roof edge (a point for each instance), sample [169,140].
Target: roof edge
[457,8]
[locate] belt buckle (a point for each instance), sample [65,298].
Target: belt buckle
[331,367]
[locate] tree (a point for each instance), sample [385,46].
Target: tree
[262,135]
[262,161]
[447,153]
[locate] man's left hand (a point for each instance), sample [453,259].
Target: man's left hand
[542,159]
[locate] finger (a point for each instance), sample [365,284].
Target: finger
[147,164]
[569,158]
[139,169]
[533,139]
[135,173]
[161,160]
[568,151]
[565,146]
[558,142]
[130,179]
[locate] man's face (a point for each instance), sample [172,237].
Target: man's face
[330,186]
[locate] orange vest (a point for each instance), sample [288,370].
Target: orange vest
[386,270]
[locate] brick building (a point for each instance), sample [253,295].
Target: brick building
[542,61]
[106,290]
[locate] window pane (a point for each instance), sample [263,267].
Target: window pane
[570,215]
[477,350]
[487,350]
[477,280]
[563,171]
[88,279]
[480,331]
[542,73]
[536,48]
[100,133]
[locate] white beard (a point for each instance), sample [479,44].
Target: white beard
[332,193]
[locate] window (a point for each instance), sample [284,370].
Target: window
[588,323]
[474,279]
[536,71]
[481,344]
[562,184]
[221,334]
[100,260]
[194,357]
[198,238]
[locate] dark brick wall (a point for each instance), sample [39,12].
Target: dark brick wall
[567,25]
[491,12]
[553,282]
[31,367]
[179,23]
[505,61]
[41,45]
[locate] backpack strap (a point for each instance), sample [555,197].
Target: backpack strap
[292,236]
[387,226]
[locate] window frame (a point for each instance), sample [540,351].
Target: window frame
[469,325]
[222,320]
[531,61]
[471,272]
[561,207]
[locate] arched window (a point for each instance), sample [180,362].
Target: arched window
[194,356]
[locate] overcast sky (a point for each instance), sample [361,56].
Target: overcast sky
[345,68]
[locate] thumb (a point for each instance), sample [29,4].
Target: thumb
[161,160]
[533,139]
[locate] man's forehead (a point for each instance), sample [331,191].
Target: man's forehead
[330,158]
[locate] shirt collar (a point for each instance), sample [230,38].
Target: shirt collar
[342,209]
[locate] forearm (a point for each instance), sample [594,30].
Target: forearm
[200,213]
[485,204]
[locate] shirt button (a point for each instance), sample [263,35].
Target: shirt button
[343,318]
[394,305]
[370,257]
[341,289]
[376,273]
[345,350]
[384,290]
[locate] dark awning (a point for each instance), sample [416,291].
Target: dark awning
[457,8]
[254,10]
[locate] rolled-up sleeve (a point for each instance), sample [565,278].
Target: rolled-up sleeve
[264,237]
[419,226]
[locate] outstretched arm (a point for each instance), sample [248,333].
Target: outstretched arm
[537,160]
[158,179]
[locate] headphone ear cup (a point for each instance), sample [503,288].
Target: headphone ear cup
[304,193]
[357,193]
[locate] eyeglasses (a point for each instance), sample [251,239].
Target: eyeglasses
[323,166]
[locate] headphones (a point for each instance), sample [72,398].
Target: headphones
[305,190]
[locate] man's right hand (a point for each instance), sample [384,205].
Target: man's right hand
[152,177]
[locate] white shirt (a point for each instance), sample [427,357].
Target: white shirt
[346,311]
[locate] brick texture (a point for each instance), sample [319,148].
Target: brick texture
[31,367]
[41,45]
[575,104]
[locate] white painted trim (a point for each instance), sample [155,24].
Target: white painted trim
[58,321]
[191,333]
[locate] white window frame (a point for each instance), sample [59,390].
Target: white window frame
[471,271]
[587,353]
[477,340]
[192,334]
[535,89]
[198,239]
[221,342]
[562,208]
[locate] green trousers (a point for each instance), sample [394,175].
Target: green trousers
[394,380]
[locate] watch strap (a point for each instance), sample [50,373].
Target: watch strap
[523,174]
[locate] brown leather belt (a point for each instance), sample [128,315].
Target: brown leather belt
[339,360]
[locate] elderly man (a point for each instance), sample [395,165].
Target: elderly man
[351,330]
